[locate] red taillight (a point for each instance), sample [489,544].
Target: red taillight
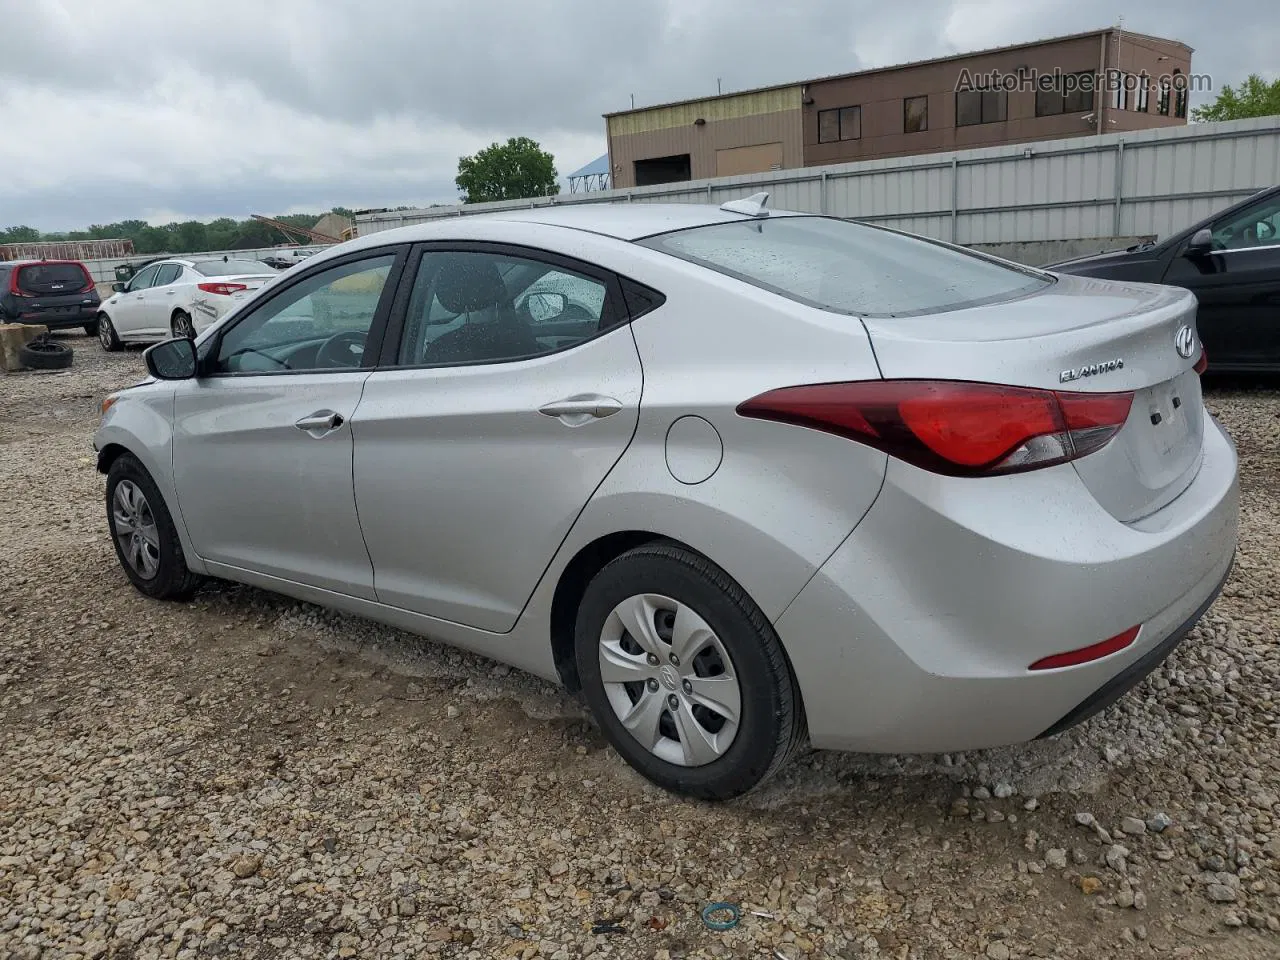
[89,284]
[222,289]
[1093,652]
[1202,364]
[955,428]
[13,284]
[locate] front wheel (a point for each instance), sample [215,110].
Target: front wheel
[143,533]
[107,334]
[685,675]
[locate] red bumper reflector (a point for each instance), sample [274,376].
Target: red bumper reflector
[1202,364]
[1095,652]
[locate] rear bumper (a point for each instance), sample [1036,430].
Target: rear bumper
[917,634]
[1136,672]
[57,319]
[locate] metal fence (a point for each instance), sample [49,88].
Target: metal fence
[1150,182]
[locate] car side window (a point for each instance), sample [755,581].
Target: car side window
[167,274]
[1255,226]
[319,324]
[144,279]
[476,307]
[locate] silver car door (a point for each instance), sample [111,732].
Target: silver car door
[262,439]
[481,442]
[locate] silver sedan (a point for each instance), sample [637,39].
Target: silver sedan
[747,480]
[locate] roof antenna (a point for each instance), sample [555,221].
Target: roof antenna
[752,206]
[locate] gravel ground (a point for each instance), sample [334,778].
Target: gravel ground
[244,775]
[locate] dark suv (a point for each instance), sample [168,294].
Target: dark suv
[55,293]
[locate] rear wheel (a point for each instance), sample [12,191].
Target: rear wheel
[107,334]
[181,325]
[143,533]
[91,328]
[685,675]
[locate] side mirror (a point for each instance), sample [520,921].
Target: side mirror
[546,306]
[1201,243]
[118,287]
[172,359]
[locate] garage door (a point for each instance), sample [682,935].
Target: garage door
[758,158]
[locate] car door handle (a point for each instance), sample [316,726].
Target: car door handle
[581,408]
[320,423]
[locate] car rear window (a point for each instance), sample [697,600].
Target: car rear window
[849,267]
[52,277]
[229,268]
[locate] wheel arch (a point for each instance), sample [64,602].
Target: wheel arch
[571,587]
[147,437]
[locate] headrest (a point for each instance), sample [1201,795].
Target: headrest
[469,282]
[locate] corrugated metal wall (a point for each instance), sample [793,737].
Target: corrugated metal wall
[1135,183]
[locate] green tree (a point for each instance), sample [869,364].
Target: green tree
[515,170]
[1254,98]
[19,234]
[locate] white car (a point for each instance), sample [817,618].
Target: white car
[179,297]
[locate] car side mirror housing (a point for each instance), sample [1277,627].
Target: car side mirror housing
[546,306]
[118,287]
[173,359]
[1201,243]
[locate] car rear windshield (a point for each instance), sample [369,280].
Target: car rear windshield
[229,268]
[52,278]
[849,267]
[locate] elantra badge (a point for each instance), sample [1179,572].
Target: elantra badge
[1184,341]
[1090,370]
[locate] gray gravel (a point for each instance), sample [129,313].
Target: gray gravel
[247,776]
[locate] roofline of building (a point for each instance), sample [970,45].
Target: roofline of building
[902,66]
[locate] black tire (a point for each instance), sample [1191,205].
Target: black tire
[91,328]
[107,334]
[771,726]
[180,325]
[171,579]
[42,354]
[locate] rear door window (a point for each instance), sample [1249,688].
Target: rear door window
[849,267]
[167,274]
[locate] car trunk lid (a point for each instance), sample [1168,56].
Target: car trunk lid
[1079,335]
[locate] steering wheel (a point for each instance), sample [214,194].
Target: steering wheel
[344,349]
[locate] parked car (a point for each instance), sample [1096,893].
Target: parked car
[57,294]
[1231,262]
[742,478]
[177,297]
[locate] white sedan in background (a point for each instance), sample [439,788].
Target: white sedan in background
[179,297]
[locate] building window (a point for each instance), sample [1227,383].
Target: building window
[1179,95]
[1162,105]
[915,114]
[981,106]
[842,123]
[1073,95]
[1144,94]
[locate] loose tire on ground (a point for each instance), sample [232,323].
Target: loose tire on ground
[770,726]
[134,503]
[44,354]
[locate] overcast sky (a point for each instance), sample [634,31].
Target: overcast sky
[164,110]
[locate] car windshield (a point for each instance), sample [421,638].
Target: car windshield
[228,268]
[849,267]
